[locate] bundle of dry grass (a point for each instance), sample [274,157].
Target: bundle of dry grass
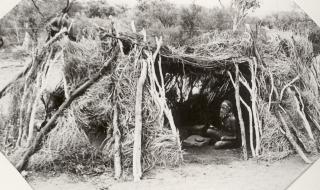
[221,44]
[274,145]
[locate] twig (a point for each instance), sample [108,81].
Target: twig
[271,91]
[53,39]
[287,85]
[37,8]
[222,6]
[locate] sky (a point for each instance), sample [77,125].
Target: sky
[267,6]
[6,6]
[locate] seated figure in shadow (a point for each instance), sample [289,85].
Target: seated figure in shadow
[1,42]
[226,136]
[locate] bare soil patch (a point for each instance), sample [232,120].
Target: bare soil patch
[204,168]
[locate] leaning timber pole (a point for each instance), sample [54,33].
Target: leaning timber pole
[291,139]
[137,169]
[237,96]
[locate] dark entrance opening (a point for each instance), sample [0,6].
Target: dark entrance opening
[195,93]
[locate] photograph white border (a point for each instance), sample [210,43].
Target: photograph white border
[10,178]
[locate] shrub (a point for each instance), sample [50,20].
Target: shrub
[314,37]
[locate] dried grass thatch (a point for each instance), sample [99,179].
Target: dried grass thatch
[91,113]
[266,62]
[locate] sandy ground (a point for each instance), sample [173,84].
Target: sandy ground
[9,68]
[204,168]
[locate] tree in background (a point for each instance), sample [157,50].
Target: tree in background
[100,8]
[14,23]
[76,8]
[159,18]
[296,21]
[31,16]
[314,37]
[241,9]
[215,19]
[149,12]
[191,19]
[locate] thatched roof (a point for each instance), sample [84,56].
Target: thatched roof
[192,59]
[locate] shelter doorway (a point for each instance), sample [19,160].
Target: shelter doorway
[196,99]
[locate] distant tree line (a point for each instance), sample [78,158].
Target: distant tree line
[159,17]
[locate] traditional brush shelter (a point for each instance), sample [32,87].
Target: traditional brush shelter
[122,97]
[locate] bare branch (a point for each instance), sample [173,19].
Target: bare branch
[287,85]
[37,8]
[222,6]
[271,91]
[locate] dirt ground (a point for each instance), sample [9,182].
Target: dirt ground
[204,168]
[9,67]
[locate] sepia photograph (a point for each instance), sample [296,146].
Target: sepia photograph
[159,94]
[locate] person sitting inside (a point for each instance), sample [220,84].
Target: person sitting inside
[1,42]
[226,136]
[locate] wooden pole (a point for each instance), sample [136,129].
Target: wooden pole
[30,128]
[250,115]
[137,169]
[254,109]
[242,128]
[271,91]
[290,138]
[253,151]
[300,110]
[21,113]
[117,137]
